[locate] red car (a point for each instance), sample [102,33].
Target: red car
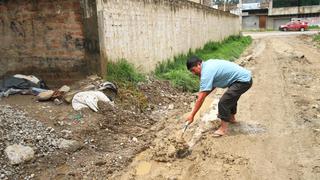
[294,26]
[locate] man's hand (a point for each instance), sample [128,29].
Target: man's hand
[190,118]
[202,95]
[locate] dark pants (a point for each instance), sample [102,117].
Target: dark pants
[228,102]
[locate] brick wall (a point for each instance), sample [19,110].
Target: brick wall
[67,39]
[42,37]
[146,32]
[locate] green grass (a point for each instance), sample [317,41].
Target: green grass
[176,72]
[312,27]
[123,72]
[317,38]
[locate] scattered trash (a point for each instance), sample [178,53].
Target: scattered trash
[108,88]
[20,84]
[108,85]
[89,99]
[36,91]
[56,101]
[76,117]
[29,78]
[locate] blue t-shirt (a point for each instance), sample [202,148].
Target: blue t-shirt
[221,73]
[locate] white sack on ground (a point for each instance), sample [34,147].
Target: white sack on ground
[89,99]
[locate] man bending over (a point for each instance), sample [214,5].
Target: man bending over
[220,74]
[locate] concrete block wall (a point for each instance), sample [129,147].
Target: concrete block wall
[42,37]
[146,32]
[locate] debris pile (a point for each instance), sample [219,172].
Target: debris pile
[22,138]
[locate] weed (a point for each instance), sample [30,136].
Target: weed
[316,38]
[126,77]
[123,72]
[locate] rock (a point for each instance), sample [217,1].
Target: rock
[94,77]
[171,106]
[299,54]
[56,101]
[69,96]
[64,88]
[134,139]
[100,163]
[69,145]
[18,153]
[46,95]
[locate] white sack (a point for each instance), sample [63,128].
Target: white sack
[89,99]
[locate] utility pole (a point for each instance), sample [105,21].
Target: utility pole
[224,5]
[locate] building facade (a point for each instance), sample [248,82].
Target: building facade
[263,14]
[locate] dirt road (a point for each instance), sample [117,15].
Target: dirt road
[278,134]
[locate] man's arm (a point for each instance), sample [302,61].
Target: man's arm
[201,97]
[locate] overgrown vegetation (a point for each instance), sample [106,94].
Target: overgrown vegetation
[126,77]
[122,72]
[175,69]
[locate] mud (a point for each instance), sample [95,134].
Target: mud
[277,134]
[111,137]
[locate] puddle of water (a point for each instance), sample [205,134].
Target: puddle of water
[143,168]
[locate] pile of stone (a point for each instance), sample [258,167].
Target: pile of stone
[23,139]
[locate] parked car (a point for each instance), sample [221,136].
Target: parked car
[294,26]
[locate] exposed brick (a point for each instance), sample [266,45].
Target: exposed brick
[34,31]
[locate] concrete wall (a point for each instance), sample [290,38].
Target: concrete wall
[148,31]
[277,21]
[45,38]
[294,10]
[250,22]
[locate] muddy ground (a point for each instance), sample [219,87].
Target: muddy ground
[109,139]
[277,137]
[278,134]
